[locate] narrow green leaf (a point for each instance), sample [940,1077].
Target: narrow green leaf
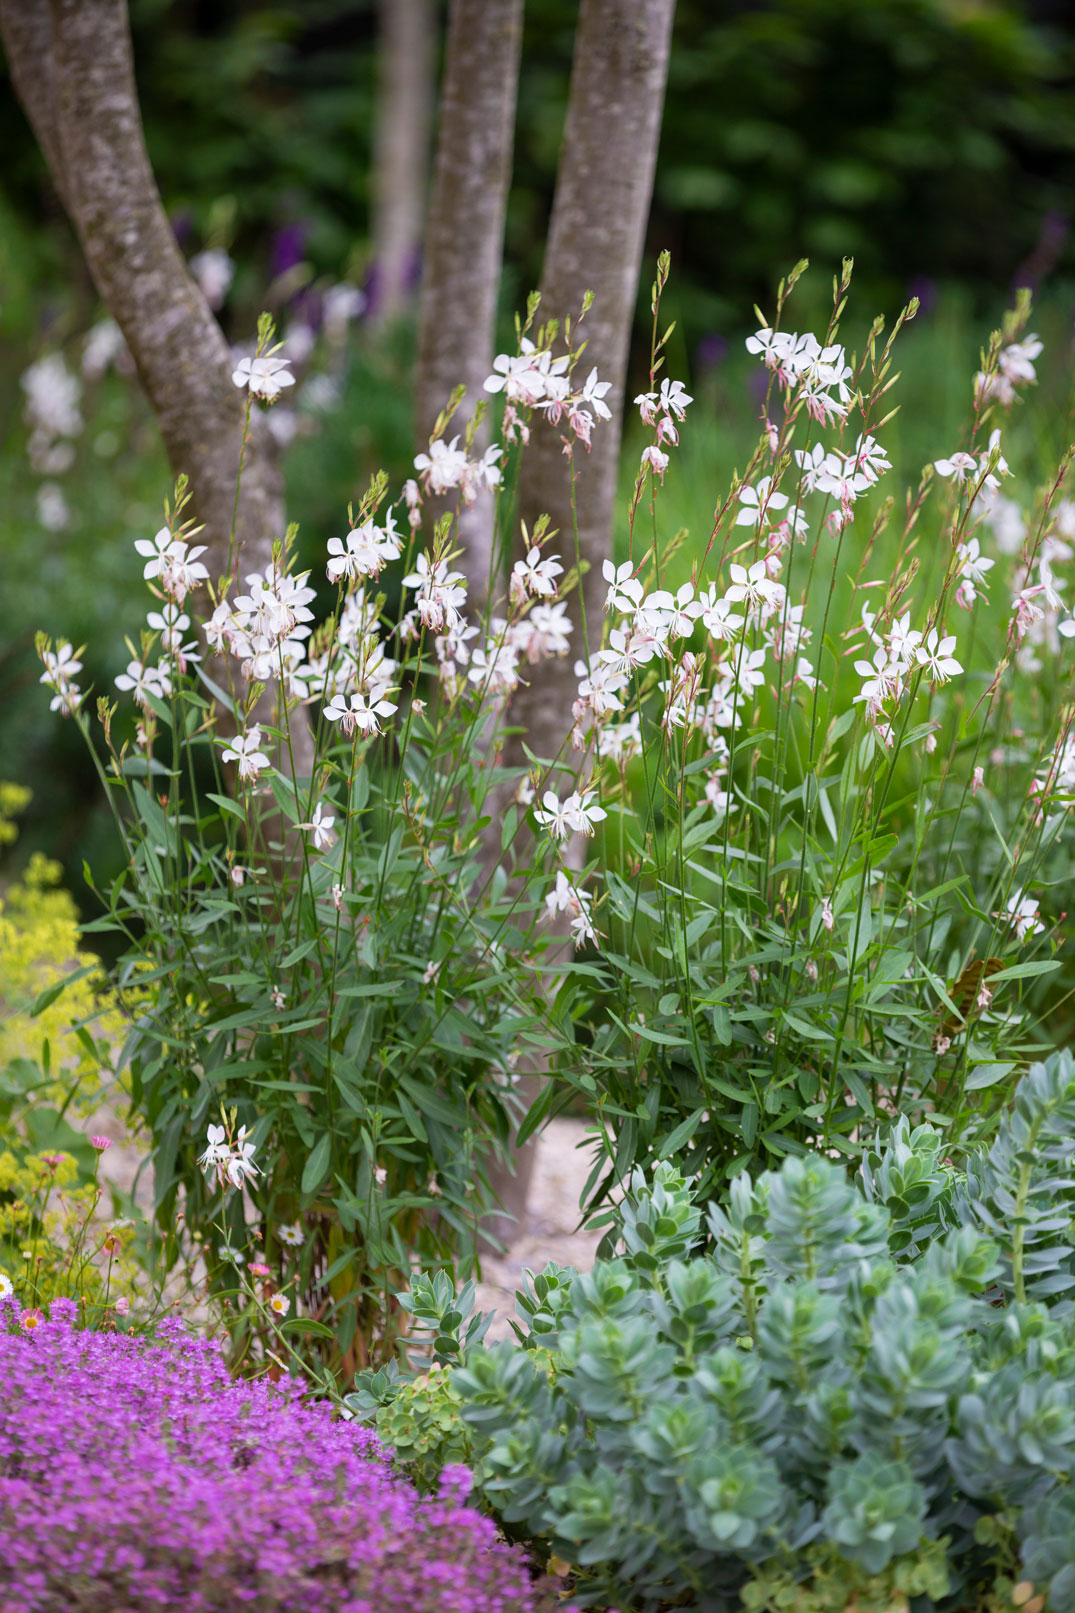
[313,1173]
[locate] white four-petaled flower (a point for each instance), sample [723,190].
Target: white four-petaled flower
[244,750]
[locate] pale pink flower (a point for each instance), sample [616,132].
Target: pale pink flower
[1023,913]
[959,467]
[655,461]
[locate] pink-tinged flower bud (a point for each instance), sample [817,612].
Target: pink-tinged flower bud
[977,780]
[123,1305]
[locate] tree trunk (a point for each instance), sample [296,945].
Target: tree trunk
[465,234]
[401,152]
[603,188]
[72,66]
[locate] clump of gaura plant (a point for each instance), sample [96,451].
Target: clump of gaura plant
[801,905]
[835,751]
[863,1392]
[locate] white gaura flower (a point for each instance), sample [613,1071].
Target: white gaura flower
[320,827]
[362,712]
[59,675]
[583,815]
[1023,913]
[665,614]
[266,376]
[244,750]
[546,631]
[535,575]
[567,898]
[440,594]
[143,681]
[554,817]
[753,587]
[811,462]
[624,589]
[759,501]
[959,467]
[159,550]
[903,639]
[1016,360]
[361,554]
[655,461]
[218,1151]
[773,346]
[674,398]
[717,616]
[593,392]
[625,652]
[937,658]
[972,563]
[523,377]
[993,472]
[748,668]
[496,667]
[443,467]
[241,1162]
[881,677]
[183,572]
[481,475]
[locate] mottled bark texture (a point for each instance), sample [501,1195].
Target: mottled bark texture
[72,67]
[603,188]
[401,151]
[465,234]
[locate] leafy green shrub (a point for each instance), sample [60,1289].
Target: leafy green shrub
[799,926]
[828,1405]
[835,851]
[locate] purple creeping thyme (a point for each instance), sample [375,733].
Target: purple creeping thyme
[135,1474]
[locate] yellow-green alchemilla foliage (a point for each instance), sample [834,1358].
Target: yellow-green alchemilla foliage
[39,947]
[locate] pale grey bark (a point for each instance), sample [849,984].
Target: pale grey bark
[400,150]
[465,234]
[72,67]
[603,189]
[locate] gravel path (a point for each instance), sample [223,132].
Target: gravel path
[551,1233]
[560,1171]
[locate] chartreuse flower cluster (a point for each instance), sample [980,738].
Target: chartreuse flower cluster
[864,1391]
[134,1474]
